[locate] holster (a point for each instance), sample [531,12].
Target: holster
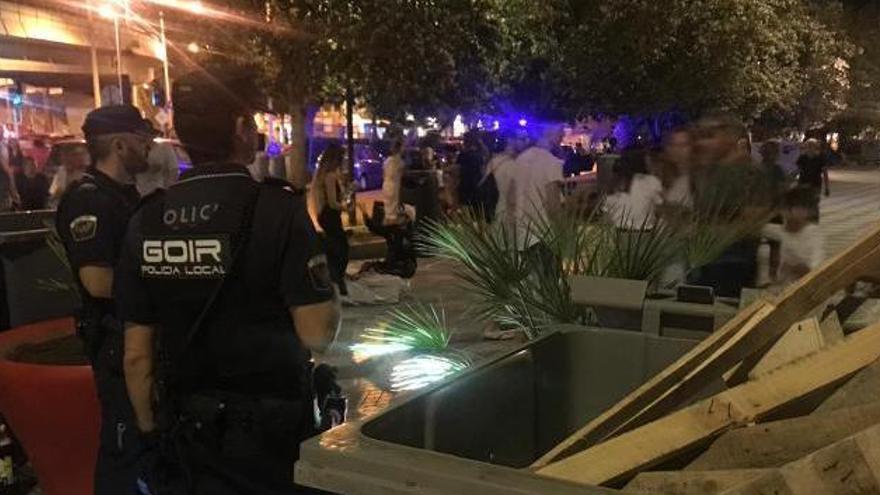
[242,426]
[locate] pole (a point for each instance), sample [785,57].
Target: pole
[93,52]
[118,55]
[165,67]
[349,131]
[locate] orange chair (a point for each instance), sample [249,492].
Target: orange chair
[52,410]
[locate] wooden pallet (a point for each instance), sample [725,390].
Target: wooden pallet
[776,364]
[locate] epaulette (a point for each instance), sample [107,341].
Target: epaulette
[283,184]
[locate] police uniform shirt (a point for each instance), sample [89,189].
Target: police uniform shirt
[181,243]
[91,221]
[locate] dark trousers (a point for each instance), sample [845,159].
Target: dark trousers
[243,449]
[119,451]
[336,245]
[736,268]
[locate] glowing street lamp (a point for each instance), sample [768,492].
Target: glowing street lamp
[193,47]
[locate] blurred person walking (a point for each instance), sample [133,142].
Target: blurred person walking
[538,176]
[637,195]
[471,166]
[32,186]
[327,194]
[813,173]
[727,188]
[501,171]
[677,165]
[74,163]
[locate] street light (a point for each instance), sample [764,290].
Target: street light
[193,47]
[109,11]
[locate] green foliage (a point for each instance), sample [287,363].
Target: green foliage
[749,57]
[520,275]
[418,326]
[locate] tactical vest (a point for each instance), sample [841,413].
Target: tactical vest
[244,344]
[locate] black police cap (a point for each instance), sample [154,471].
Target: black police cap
[210,92]
[117,119]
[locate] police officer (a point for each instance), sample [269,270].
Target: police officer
[91,221]
[226,274]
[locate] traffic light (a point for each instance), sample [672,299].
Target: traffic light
[16,98]
[16,95]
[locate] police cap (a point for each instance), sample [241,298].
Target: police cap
[117,119]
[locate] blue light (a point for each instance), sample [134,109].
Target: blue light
[274,149]
[17,100]
[523,122]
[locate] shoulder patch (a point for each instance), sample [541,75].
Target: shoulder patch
[87,186]
[84,228]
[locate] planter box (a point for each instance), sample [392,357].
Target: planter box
[479,431]
[53,410]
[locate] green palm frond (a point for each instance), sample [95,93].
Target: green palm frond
[417,326]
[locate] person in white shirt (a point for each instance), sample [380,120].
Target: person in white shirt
[538,176]
[637,195]
[801,242]
[164,169]
[392,175]
[677,164]
[501,167]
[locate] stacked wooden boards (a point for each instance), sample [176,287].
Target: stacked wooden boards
[779,358]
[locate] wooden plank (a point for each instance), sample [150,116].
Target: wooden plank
[832,330]
[647,446]
[653,388]
[848,467]
[777,443]
[690,482]
[762,330]
[724,349]
[802,339]
[863,388]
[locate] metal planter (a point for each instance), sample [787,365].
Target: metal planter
[478,432]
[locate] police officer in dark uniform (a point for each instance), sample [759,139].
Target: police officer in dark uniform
[226,274]
[91,221]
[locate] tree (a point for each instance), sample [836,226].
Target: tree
[400,57]
[642,57]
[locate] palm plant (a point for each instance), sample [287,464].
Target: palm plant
[53,241]
[528,288]
[421,331]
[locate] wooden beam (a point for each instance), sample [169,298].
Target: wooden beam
[777,443]
[620,457]
[690,482]
[850,466]
[863,388]
[752,329]
[609,420]
[802,339]
[832,330]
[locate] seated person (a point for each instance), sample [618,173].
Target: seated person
[801,244]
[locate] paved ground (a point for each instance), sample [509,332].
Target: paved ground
[852,209]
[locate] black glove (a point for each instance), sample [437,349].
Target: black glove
[324,379]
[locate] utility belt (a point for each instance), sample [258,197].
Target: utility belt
[102,337]
[233,425]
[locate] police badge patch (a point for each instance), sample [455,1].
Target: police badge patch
[319,273]
[84,228]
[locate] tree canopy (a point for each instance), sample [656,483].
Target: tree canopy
[782,62]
